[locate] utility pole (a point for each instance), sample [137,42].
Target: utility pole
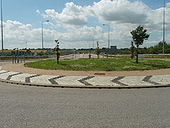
[42,34]
[2,34]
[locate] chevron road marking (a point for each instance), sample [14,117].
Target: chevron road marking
[148,79]
[102,81]
[7,74]
[44,79]
[161,79]
[21,77]
[10,76]
[135,81]
[84,80]
[53,80]
[70,80]
[117,81]
[28,79]
[156,80]
[3,71]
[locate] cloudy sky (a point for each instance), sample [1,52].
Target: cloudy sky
[79,23]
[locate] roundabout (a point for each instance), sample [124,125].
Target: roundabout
[19,74]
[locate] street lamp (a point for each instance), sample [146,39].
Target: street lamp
[2,34]
[163,27]
[42,32]
[108,38]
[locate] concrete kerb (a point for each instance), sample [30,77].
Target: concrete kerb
[82,87]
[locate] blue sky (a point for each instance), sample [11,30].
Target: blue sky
[24,12]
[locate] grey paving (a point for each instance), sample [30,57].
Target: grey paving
[102,81]
[86,81]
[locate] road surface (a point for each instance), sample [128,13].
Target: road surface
[36,107]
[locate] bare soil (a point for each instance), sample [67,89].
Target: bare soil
[21,68]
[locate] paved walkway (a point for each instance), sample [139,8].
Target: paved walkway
[18,74]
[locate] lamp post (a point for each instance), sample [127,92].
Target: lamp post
[163,28]
[108,38]
[42,32]
[2,34]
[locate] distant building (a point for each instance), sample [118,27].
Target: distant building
[112,50]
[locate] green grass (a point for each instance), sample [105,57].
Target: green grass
[158,57]
[111,64]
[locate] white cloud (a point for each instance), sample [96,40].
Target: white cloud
[168,38]
[124,11]
[121,11]
[122,15]
[156,18]
[16,34]
[71,14]
[38,11]
[85,33]
[111,11]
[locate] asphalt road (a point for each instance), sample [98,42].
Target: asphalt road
[35,107]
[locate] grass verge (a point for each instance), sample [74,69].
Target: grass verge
[103,64]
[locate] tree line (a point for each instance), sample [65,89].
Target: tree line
[156,49]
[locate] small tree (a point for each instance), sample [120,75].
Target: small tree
[138,36]
[132,50]
[57,51]
[98,50]
[89,53]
